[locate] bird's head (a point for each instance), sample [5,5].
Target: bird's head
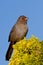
[23,19]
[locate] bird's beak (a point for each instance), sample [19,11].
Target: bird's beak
[27,18]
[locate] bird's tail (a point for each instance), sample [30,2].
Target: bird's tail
[9,52]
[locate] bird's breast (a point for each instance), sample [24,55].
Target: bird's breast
[21,29]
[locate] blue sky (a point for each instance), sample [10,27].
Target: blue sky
[10,10]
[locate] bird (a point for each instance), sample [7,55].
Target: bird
[17,33]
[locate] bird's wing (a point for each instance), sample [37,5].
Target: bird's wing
[13,28]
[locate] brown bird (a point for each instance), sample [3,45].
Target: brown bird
[18,32]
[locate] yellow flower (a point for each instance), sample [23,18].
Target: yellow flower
[27,52]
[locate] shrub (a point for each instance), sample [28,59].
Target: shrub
[27,52]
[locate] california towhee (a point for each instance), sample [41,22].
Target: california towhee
[17,33]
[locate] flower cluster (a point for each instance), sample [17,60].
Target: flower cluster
[27,52]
